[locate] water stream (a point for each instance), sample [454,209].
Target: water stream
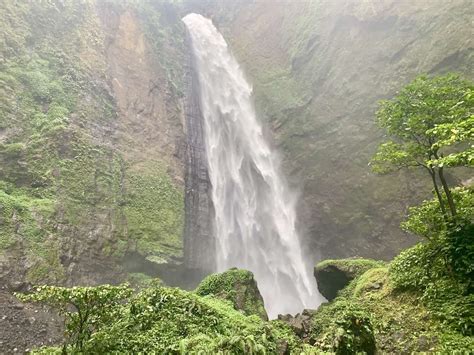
[255,218]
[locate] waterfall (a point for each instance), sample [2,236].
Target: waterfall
[254,210]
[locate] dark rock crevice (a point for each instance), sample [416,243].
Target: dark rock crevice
[199,242]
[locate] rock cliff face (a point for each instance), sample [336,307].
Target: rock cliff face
[199,241]
[97,154]
[91,140]
[318,69]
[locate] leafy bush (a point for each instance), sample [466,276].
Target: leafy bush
[172,320]
[343,327]
[159,320]
[422,268]
[460,251]
[85,309]
[413,268]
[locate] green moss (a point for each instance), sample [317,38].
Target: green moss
[26,222]
[353,266]
[154,209]
[223,281]
[58,117]
[237,286]
[372,279]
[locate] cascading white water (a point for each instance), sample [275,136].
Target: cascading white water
[254,211]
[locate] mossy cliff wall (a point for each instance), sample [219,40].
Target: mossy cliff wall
[318,69]
[91,139]
[92,132]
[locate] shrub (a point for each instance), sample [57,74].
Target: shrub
[343,327]
[422,268]
[85,309]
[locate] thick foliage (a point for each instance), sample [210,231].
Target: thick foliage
[422,269]
[343,327]
[403,318]
[428,116]
[160,320]
[85,309]
[171,320]
[441,270]
[449,245]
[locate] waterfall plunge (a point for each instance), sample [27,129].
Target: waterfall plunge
[254,211]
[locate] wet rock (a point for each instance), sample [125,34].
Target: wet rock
[333,275]
[237,286]
[300,323]
[282,347]
[19,286]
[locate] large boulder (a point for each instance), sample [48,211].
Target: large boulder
[333,275]
[237,286]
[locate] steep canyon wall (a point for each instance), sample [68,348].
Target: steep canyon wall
[97,156]
[318,69]
[91,141]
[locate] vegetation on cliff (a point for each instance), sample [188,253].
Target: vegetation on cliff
[431,123]
[424,299]
[399,319]
[72,201]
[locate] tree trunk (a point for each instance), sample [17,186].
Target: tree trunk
[447,191]
[438,193]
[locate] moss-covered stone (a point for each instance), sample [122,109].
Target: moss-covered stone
[333,275]
[237,286]
[402,322]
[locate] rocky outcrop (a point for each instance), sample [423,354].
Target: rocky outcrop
[238,287]
[334,275]
[299,323]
